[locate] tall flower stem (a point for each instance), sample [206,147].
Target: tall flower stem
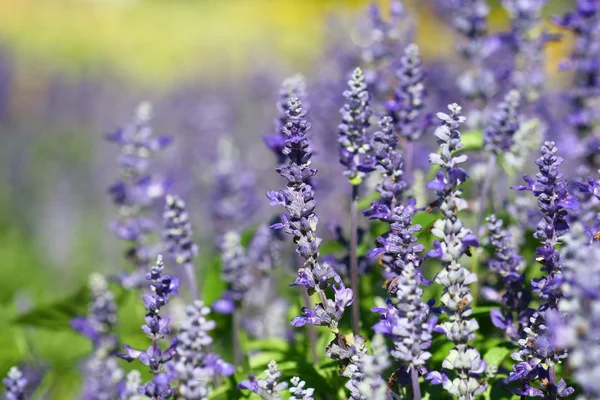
[354,260]
[190,275]
[485,190]
[311,329]
[237,352]
[414,377]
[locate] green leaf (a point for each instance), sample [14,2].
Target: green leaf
[57,315]
[482,310]
[213,285]
[472,140]
[497,354]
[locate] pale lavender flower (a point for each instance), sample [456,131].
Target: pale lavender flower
[504,122]
[15,384]
[101,372]
[177,234]
[268,388]
[409,96]
[355,145]
[157,328]
[538,356]
[455,279]
[235,271]
[584,22]
[195,363]
[137,189]
[298,390]
[349,351]
[374,386]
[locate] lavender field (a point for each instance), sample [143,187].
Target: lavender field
[300,200]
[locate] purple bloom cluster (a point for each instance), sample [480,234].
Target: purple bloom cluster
[268,388]
[293,87]
[137,189]
[456,239]
[355,145]
[514,295]
[477,83]
[196,365]
[301,222]
[537,356]
[504,122]
[236,272]
[409,96]
[584,22]
[177,234]
[162,286]
[102,372]
[15,384]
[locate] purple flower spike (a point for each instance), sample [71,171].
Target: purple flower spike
[455,239]
[137,190]
[15,384]
[162,287]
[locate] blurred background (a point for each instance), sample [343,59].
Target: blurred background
[71,71]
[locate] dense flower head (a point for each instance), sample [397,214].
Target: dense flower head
[299,391]
[178,231]
[409,96]
[235,271]
[102,374]
[137,189]
[195,363]
[15,384]
[300,221]
[538,355]
[390,162]
[405,319]
[383,45]
[349,351]
[455,239]
[355,145]
[504,122]
[162,287]
[584,22]
[373,385]
[132,382]
[233,198]
[576,324]
[513,296]
[268,388]
[477,83]
[527,41]
[293,87]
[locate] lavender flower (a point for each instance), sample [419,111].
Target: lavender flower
[504,122]
[178,238]
[373,385]
[355,146]
[15,384]
[527,42]
[235,272]
[292,87]
[584,22]
[390,162]
[409,96]
[268,388]
[576,324]
[350,351]
[102,374]
[299,392]
[130,391]
[537,356]
[233,198]
[156,328]
[383,45]
[137,189]
[477,83]
[301,222]
[515,296]
[456,239]
[195,363]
